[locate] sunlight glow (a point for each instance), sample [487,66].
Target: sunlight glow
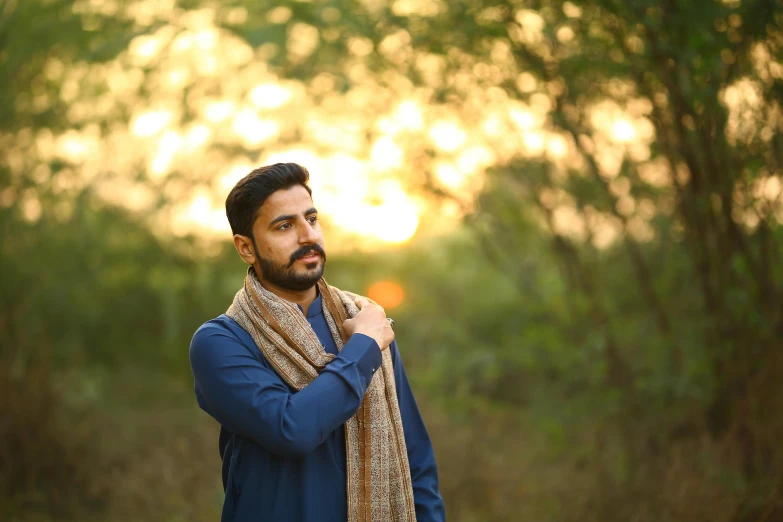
[409,115]
[623,131]
[571,10]
[557,147]
[448,175]
[393,220]
[530,20]
[219,111]
[302,40]
[270,96]
[74,147]
[145,47]
[417,7]
[523,118]
[397,217]
[233,176]
[151,123]
[534,142]
[201,214]
[385,154]
[197,137]
[474,159]
[253,129]
[396,223]
[365,145]
[168,146]
[447,136]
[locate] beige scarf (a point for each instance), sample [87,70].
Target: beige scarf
[379,479]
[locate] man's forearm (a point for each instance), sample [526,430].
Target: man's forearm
[250,399]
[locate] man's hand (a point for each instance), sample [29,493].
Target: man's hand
[370,321]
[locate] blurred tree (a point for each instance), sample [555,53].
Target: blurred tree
[671,118]
[653,183]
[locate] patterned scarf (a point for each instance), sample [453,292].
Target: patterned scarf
[379,479]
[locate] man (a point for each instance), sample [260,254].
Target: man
[318,421]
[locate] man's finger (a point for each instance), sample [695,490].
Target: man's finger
[361,302]
[349,326]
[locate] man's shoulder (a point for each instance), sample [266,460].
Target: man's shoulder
[221,337]
[221,322]
[221,326]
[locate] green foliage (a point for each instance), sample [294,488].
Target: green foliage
[634,378]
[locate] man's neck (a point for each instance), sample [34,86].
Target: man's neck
[303,298]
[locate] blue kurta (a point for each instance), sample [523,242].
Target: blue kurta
[283,451]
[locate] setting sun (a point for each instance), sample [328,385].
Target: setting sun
[388,294]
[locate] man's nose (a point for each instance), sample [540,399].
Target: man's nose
[307,235]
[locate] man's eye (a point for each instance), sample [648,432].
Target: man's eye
[312,219]
[284,226]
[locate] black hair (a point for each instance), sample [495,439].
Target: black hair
[250,192]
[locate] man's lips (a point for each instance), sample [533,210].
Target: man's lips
[309,258]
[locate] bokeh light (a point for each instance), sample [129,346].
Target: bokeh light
[388,294]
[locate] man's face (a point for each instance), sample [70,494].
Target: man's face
[288,244]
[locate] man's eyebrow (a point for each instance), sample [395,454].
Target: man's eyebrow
[288,217]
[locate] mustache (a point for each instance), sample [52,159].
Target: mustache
[306,249]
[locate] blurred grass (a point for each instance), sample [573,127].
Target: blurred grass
[120,446]
[129,445]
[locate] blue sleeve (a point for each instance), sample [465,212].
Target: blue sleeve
[248,398]
[421,457]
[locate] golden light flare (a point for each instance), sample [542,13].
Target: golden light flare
[232,177]
[75,147]
[557,147]
[151,123]
[472,160]
[623,131]
[144,48]
[252,129]
[447,136]
[302,41]
[200,214]
[168,146]
[390,216]
[30,206]
[269,95]
[744,100]
[345,195]
[365,147]
[571,10]
[388,294]
[448,175]
[218,111]
[524,119]
[197,136]
[533,142]
[386,154]
[409,115]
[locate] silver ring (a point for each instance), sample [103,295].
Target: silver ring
[391,321]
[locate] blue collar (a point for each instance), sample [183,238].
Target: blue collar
[315,307]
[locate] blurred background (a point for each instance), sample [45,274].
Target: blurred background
[571,210]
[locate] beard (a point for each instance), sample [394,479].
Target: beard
[288,277]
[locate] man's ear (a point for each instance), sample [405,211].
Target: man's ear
[244,246]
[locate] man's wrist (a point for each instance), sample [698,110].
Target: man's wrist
[365,352]
[370,336]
